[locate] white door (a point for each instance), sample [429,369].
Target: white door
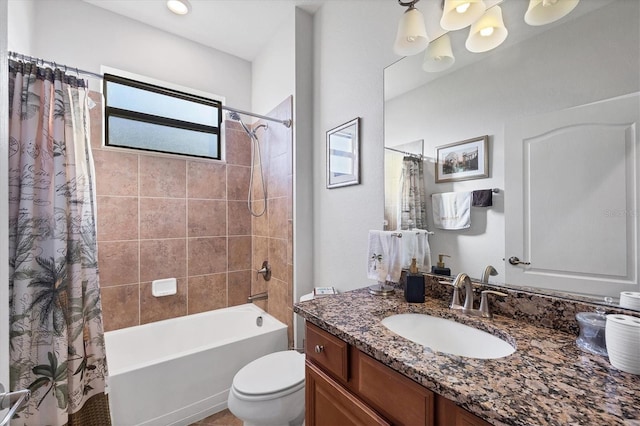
[571,198]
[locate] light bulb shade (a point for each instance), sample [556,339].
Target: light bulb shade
[412,34]
[453,20]
[439,55]
[542,12]
[179,7]
[476,42]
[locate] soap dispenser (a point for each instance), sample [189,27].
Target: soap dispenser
[440,269]
[414,286]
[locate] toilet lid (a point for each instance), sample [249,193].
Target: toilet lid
[271,373]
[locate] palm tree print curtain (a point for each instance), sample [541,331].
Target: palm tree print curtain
[413,210]
[56,335]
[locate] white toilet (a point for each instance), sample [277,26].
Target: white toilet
[270,390]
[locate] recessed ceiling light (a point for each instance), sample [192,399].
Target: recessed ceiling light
[179,7]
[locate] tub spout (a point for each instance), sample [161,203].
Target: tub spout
[259,296]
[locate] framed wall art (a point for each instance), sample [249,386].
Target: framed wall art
[465,160]
[343,154]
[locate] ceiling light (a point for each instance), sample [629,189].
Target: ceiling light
[411,37]
[439,55]
[179,7]
[541,12]
[488,32]
[457,14]
[463,7]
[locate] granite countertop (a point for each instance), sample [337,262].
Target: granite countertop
[548,380]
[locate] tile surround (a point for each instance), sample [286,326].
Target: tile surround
[162,216]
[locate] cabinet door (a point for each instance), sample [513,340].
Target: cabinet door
[330,404]
[327,352]
[449,414]
[398,398]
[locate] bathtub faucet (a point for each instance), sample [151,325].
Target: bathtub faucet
[259,296]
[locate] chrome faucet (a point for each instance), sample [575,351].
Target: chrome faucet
[489,270]
[485,312]
[259,296]
[463,279]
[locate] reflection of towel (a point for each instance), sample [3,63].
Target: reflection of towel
[482,198]
[392,250]
[415,244]
[452,210]
[384,256]
[374,255]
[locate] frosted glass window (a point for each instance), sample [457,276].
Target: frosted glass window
[153,118]
[153,137]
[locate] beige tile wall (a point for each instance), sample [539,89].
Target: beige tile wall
[161,217]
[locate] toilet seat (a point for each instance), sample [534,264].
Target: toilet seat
[271,376]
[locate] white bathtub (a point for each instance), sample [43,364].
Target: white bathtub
[178,371]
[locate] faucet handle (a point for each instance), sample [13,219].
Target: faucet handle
[265,271]
[484,302]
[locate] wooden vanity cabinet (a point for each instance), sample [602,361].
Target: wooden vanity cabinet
[330,404]
[347,387]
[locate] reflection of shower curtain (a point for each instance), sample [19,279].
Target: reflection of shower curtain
[56,342]
[413,211]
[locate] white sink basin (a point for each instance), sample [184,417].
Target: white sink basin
[443,335]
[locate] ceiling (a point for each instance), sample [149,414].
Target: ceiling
[243,27]
[232,26]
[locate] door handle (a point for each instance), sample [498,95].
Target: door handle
[515,261]
[13,401]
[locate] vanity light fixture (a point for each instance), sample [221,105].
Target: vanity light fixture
[439,55]
[179,7]
[487,27]
[488,32]
[411,37]
[457,14]
[542,12]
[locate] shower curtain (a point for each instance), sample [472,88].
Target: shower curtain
[56,336]
[413,210]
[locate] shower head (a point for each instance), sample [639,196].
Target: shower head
[233,115]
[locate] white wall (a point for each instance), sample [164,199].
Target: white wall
[538,75]
[352,45]
[273,70]
[302,165]
[20,27]
[79,34]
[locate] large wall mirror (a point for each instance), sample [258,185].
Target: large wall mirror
[560,105]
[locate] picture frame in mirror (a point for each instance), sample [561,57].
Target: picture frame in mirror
[343,154]
[464,160]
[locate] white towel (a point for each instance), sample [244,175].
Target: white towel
[384,256]
[415,244]
[452,210]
